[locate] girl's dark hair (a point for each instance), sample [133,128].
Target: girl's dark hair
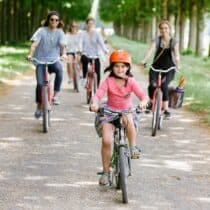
[110,68]
[50,14]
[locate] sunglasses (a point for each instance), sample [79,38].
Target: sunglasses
[54,19]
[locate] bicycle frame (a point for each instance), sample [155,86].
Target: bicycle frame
[46,99]
[92,83]
[157,101]
[121,158]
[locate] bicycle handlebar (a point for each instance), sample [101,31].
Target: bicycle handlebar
[162,70]
[109,111]
[45,62]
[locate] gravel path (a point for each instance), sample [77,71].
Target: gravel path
[57,171]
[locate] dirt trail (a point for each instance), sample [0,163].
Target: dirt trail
[58,170]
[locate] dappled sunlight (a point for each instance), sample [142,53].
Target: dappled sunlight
[61,185]
[86,183]
[88,112]
[182,141]
[178,165]
[187,120]
[35,178]
[152,165]
[58,119]
[27,118]
[87,124]
[149,207]
[12,139]
[203,199]
[176,128]
[31,198]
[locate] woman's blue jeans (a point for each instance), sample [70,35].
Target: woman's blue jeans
[52,68]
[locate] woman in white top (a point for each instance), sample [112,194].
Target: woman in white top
[73,39]
[92,43]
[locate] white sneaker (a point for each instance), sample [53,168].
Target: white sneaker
[56,100]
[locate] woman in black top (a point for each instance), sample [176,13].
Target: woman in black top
[166,56]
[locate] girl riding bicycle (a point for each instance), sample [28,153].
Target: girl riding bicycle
[166,56]
[118,86]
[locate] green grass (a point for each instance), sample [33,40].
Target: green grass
[12,60]
[196,70]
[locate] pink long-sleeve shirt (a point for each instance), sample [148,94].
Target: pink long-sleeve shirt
[119,98]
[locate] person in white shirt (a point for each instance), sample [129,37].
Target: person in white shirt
[73,48]
[92,43]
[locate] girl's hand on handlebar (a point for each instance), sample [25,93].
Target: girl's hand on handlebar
[94,107]
[142,104]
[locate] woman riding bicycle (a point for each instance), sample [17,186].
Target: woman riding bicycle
[73,48]
[48,42]
[92,42]
[166,56]
[118,86]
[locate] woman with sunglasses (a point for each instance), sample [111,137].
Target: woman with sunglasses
[73,48]
[48,43]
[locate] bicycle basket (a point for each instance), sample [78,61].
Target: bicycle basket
[176,97]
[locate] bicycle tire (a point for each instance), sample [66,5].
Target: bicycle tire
[116,166]
[156,113]
[123,174]
[46,117]
[94,83]
[76,77]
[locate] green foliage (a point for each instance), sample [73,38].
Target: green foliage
[13,60]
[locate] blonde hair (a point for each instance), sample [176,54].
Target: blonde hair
[164,21]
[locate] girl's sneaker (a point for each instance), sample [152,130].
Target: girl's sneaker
[135,152]
[38,113]
[104,179]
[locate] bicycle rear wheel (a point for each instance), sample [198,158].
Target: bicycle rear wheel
[123,173]
[94,83]
[76,77]
[156,113]
[89,88]
[46,113]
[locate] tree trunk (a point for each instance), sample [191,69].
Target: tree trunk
[182,22]
[192,28]
[164,9]
[154,27]
[200,27]
[177,26]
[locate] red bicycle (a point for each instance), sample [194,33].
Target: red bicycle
[92,80]
[157,116]
[46,100]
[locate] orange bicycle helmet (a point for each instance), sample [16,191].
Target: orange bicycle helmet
[120,56]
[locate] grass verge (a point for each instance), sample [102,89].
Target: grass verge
[12,61]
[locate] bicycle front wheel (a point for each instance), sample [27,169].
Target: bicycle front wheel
[76,77]
[156,113]
[46,113]
[123,174]
[94,83]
